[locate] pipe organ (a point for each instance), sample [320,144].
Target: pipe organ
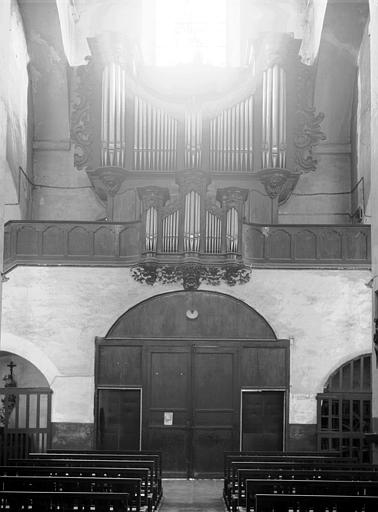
[192,225]
[155,137]
[231,138]
[238,134]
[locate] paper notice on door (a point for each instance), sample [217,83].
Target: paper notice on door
[168,418]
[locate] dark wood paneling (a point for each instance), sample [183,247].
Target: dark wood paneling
[257,365]
[118,408]
[262,420]
[119,366]
[219,316]
[307,245]
[71,243]
[118,244]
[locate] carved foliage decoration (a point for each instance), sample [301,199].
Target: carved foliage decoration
[308,132]
[83,116]
[191,275]
[279,183]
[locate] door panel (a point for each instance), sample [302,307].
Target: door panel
[262,420]
[169,394]
[119,419]
[214,407]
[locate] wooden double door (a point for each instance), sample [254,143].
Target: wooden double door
[192,407]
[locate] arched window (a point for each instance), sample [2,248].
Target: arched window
[344,410]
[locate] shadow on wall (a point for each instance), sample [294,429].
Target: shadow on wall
[25,373]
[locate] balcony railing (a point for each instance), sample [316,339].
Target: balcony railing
[122,245]
[307,245]
[71,243]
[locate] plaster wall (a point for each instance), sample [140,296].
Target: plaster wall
[13,113]
[362,143]
[63,193]
[55,314]
[322,196]
[14,86]
[374,197]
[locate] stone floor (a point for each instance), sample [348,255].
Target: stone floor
[192,496]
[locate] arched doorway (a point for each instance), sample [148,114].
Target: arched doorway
[191,374]
[344,410]
[25,408]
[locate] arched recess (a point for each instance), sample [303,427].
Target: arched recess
[25,408]
[200,314]
[195,374]
[344,409]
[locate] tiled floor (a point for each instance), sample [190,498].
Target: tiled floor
[192,496]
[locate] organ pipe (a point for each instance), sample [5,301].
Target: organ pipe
[151,229]
[171,232]
[192,222]
[113,117]
[155,137]
[274,118]
[231,138]
[232,230]
[193,139]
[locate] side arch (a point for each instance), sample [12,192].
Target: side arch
[24,348]
[199,314]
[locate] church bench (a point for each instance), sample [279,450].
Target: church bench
[314,503]
[293,475]
[89,462]
[313,487]
[131,486]
[231,480]
[47,501]
[143,474]
[100,455]
[232,460]
[148,496]
[239,471]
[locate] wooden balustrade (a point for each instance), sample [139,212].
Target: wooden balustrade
[307,245]
[120,244]
[71,243]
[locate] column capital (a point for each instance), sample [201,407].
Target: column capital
[153,196]
[232,197]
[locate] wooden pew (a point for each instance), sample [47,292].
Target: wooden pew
[45,501]
[231,478]
[232,460]
[316,503]
[239,498]
[148,499]
[231,485]
[109,455]
[130,486]
[312,487]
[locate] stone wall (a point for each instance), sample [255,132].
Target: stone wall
[52,315]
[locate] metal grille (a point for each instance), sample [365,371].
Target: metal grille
[25,422]
[344,410]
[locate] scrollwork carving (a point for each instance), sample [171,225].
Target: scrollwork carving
[308,132]
[308,135]
[191,275]
[82,116]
